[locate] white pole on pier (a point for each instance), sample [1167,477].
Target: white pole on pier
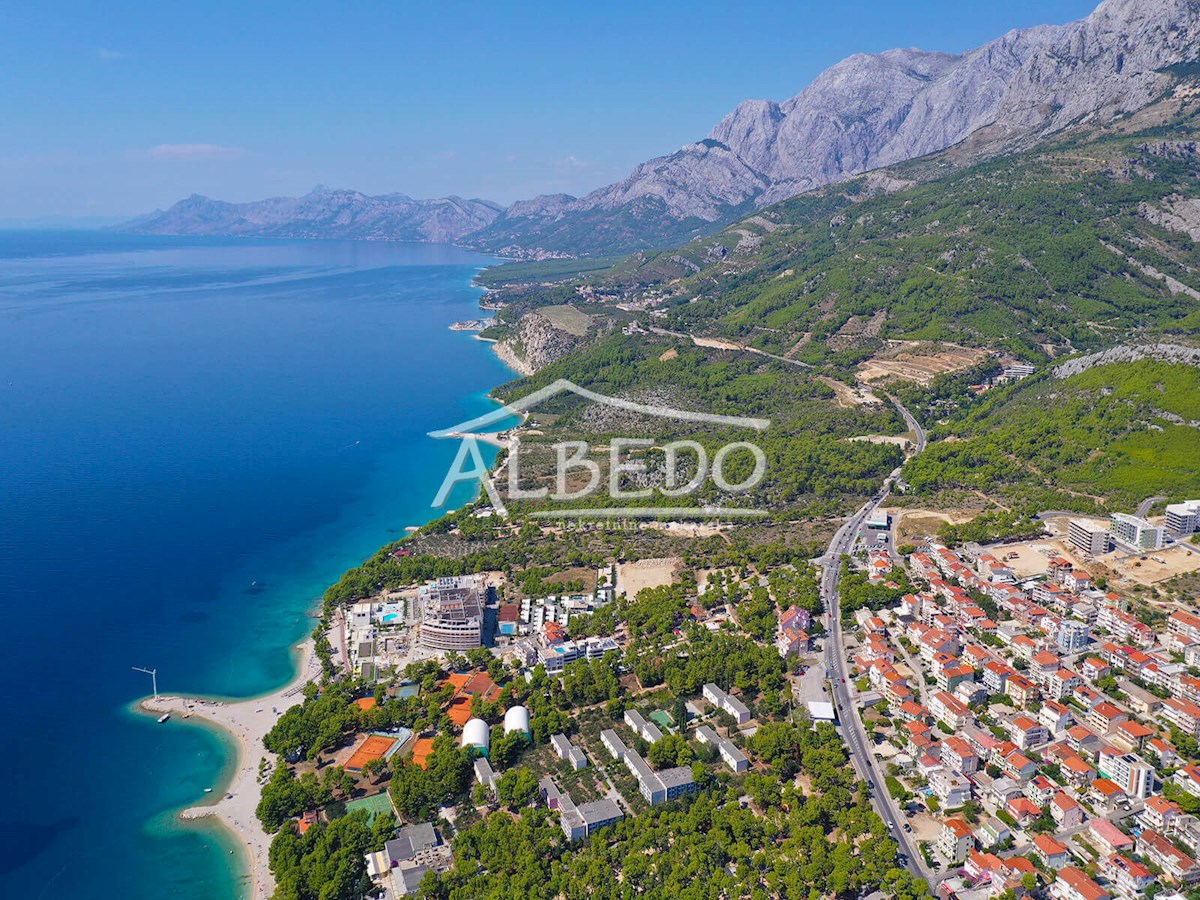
[153,673]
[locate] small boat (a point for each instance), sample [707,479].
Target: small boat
[208,790]
[163,718]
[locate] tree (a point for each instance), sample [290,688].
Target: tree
[516,788]
[670,750]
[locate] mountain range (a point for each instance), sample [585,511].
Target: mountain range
[864,113]
[324,213]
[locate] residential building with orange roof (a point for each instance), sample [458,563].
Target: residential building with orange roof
[1021,690]
[1066,811]
[1160,813]
[1055,854]
[1072,884]
[1130,877]
[1176,865]
[1183,714]
[955,839]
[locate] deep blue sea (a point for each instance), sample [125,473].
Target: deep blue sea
[197,436]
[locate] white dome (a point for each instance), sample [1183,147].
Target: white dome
[516,719]
[476,734]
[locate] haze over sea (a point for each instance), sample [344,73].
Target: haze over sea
[197,436]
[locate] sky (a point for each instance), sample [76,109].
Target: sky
[119,108]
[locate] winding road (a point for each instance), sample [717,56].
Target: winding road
[835,662]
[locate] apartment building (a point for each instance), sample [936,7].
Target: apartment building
[1089,538]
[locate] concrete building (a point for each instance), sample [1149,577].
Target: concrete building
[1073,884]
[485,775]
[1072,635]
[663,785]
[731,705]
[406,858]
[613,744]
[733,757]
[647,731]
[567,751]
[1089,538]
[1131,533]
[1129,771]
[557,656]
[1183,518]
[955,840]
[581,821]
[453,614]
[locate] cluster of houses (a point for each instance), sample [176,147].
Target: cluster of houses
[1052,711]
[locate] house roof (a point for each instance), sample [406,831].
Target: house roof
[1048,846]
[1081,884]
[1110,833]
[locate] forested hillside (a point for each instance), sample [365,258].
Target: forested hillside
[1086,242]
[1054,250]
[1108,437]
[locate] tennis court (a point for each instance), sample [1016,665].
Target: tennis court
[374,746]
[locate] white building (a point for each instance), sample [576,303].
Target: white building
[733,757]
[1132,533]
[731,705]
[568,751]
[1183,518]
[452,614]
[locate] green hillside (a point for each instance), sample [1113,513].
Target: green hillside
[1051,250]
[1107,438]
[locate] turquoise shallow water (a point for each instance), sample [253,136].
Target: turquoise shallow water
[196,437]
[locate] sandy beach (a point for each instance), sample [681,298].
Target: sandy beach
[247,720]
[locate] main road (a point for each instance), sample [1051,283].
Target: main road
[835,660]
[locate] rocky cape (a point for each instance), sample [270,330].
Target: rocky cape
[533,343]
[864,113]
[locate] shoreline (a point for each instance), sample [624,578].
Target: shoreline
[244,722]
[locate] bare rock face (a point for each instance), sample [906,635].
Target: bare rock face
[1176,214]
[1113,61]
[324,213]
[535,343]
[870,111]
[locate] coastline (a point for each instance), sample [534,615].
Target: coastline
[245,721]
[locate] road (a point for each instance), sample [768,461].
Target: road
[1144,506]
[835,662]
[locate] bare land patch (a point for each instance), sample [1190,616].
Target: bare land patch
[633,577]
[567,318]
[1155,566]
[918,361]
[898,439]
[914,525]
[848,397]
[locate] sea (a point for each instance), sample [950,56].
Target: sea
[197,437]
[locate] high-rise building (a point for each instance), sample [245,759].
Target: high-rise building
[1072,635]
[1183,518]
[453,614]
[1132,533]
[1089,538]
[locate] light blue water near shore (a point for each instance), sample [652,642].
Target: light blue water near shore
[196,437]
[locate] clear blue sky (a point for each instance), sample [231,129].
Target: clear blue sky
[118,108]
